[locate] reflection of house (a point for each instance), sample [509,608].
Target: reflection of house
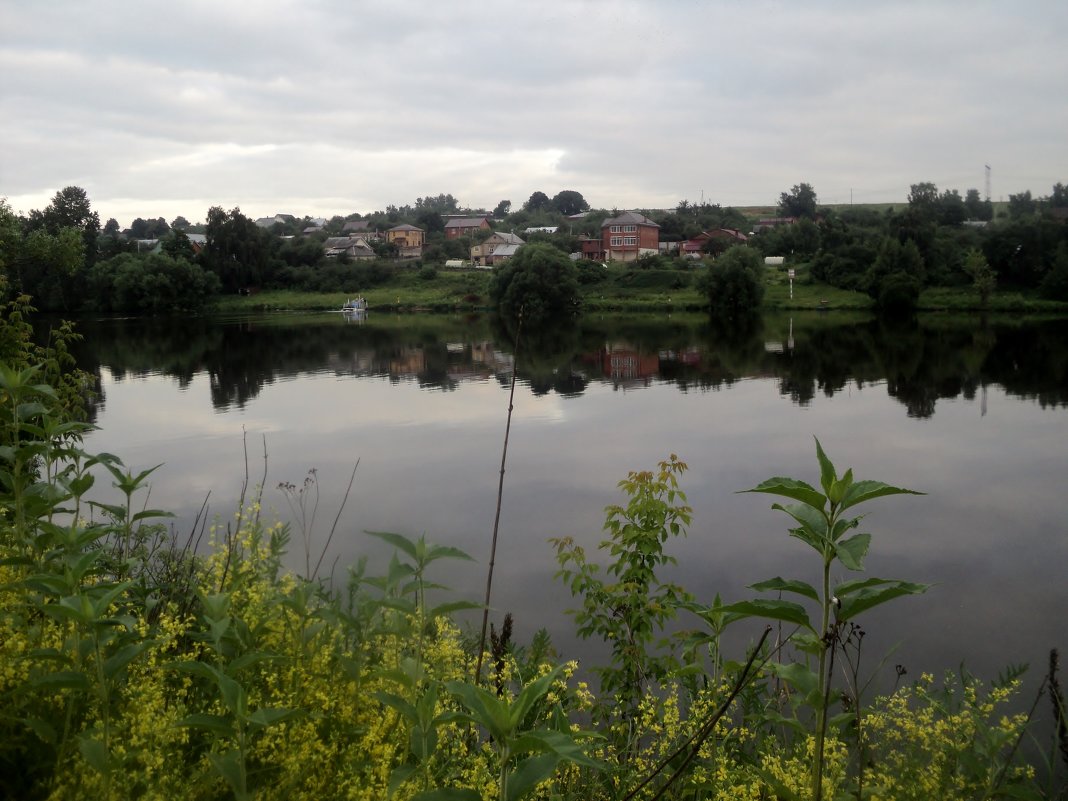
[626,366]
[354,247]
[714,240]
[463,226]
[628,236]
[499,247]
[408,239]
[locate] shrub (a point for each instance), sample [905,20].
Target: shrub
[734,283]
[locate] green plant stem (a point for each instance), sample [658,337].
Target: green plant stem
[497,515]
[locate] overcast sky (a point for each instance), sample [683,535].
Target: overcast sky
[326,107]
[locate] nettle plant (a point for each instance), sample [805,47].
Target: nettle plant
[827,523]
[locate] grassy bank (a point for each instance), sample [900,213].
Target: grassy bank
[623,291]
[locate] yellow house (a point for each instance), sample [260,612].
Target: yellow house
[408,239]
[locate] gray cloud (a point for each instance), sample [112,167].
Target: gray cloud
[330,107]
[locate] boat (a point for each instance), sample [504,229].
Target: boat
[355,306]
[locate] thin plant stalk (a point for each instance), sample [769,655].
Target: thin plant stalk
[500,495]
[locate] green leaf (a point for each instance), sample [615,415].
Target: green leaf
[121,658]
[42,728]
[862,600]
[94,752]
[812,520]
[61,680]
[561,743]
[779,584]
[449,608]
[399,704]
[529,773]
[214,723]
[828,476]
[265,717]
[800,677]
[786,611]
[483,708]
[398,541]
[228,766]
[851,551]
[863,491]
[791,488]
[530,695]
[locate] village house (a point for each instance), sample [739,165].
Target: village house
[718,239]
[628,236]
[462,226]
[353,247]
[359,228]
[497,248]
[408,239]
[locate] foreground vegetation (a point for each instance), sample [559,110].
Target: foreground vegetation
[135,666]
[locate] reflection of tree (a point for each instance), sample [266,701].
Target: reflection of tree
[920,361]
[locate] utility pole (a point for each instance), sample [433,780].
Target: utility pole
[987,183]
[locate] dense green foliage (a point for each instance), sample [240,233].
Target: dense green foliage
[539,283]
[734,284]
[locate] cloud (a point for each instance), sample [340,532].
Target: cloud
[331,107]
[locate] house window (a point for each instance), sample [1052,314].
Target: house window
[630,240]
[617,241]
[614,229]
[629,229]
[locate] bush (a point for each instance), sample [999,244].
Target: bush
[540,282]
[734,283]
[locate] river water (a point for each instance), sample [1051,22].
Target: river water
[974,413]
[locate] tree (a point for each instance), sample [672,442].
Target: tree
[70,208]
[798,202]
[501,209]
[734,284]
[924,197]
[569,202]
[539,282]
[895,279]
[538,201]
[977,208]
[180,223]
[951,208]
[1022,205]
[111,227]
[236,249]
[1059,198]
[984,280]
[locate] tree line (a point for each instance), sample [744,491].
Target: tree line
[64,259]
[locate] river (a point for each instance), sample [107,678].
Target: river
[974,413]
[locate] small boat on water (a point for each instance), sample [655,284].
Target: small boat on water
[355,306]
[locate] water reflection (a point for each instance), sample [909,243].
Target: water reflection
[421,402]
[920,362]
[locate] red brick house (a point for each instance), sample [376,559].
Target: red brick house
[722,237]
[462,226]
[628,236]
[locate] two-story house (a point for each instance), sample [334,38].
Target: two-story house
[628,236]
[408,239]
[495,249]
[462,226]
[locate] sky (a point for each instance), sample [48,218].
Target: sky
[324,107]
